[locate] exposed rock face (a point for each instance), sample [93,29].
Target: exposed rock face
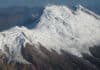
[51,61]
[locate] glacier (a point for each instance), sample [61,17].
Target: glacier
[59,28]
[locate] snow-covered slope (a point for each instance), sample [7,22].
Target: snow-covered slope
[59,28]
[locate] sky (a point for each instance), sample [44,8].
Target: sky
[93,5]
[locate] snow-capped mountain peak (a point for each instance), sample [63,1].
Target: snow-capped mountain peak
[74,28]
[59,28]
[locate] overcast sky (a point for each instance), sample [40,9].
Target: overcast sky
[91,4]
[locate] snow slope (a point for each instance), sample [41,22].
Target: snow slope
[59,28]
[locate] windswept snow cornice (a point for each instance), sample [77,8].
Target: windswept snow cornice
[58,29]
[81,8]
